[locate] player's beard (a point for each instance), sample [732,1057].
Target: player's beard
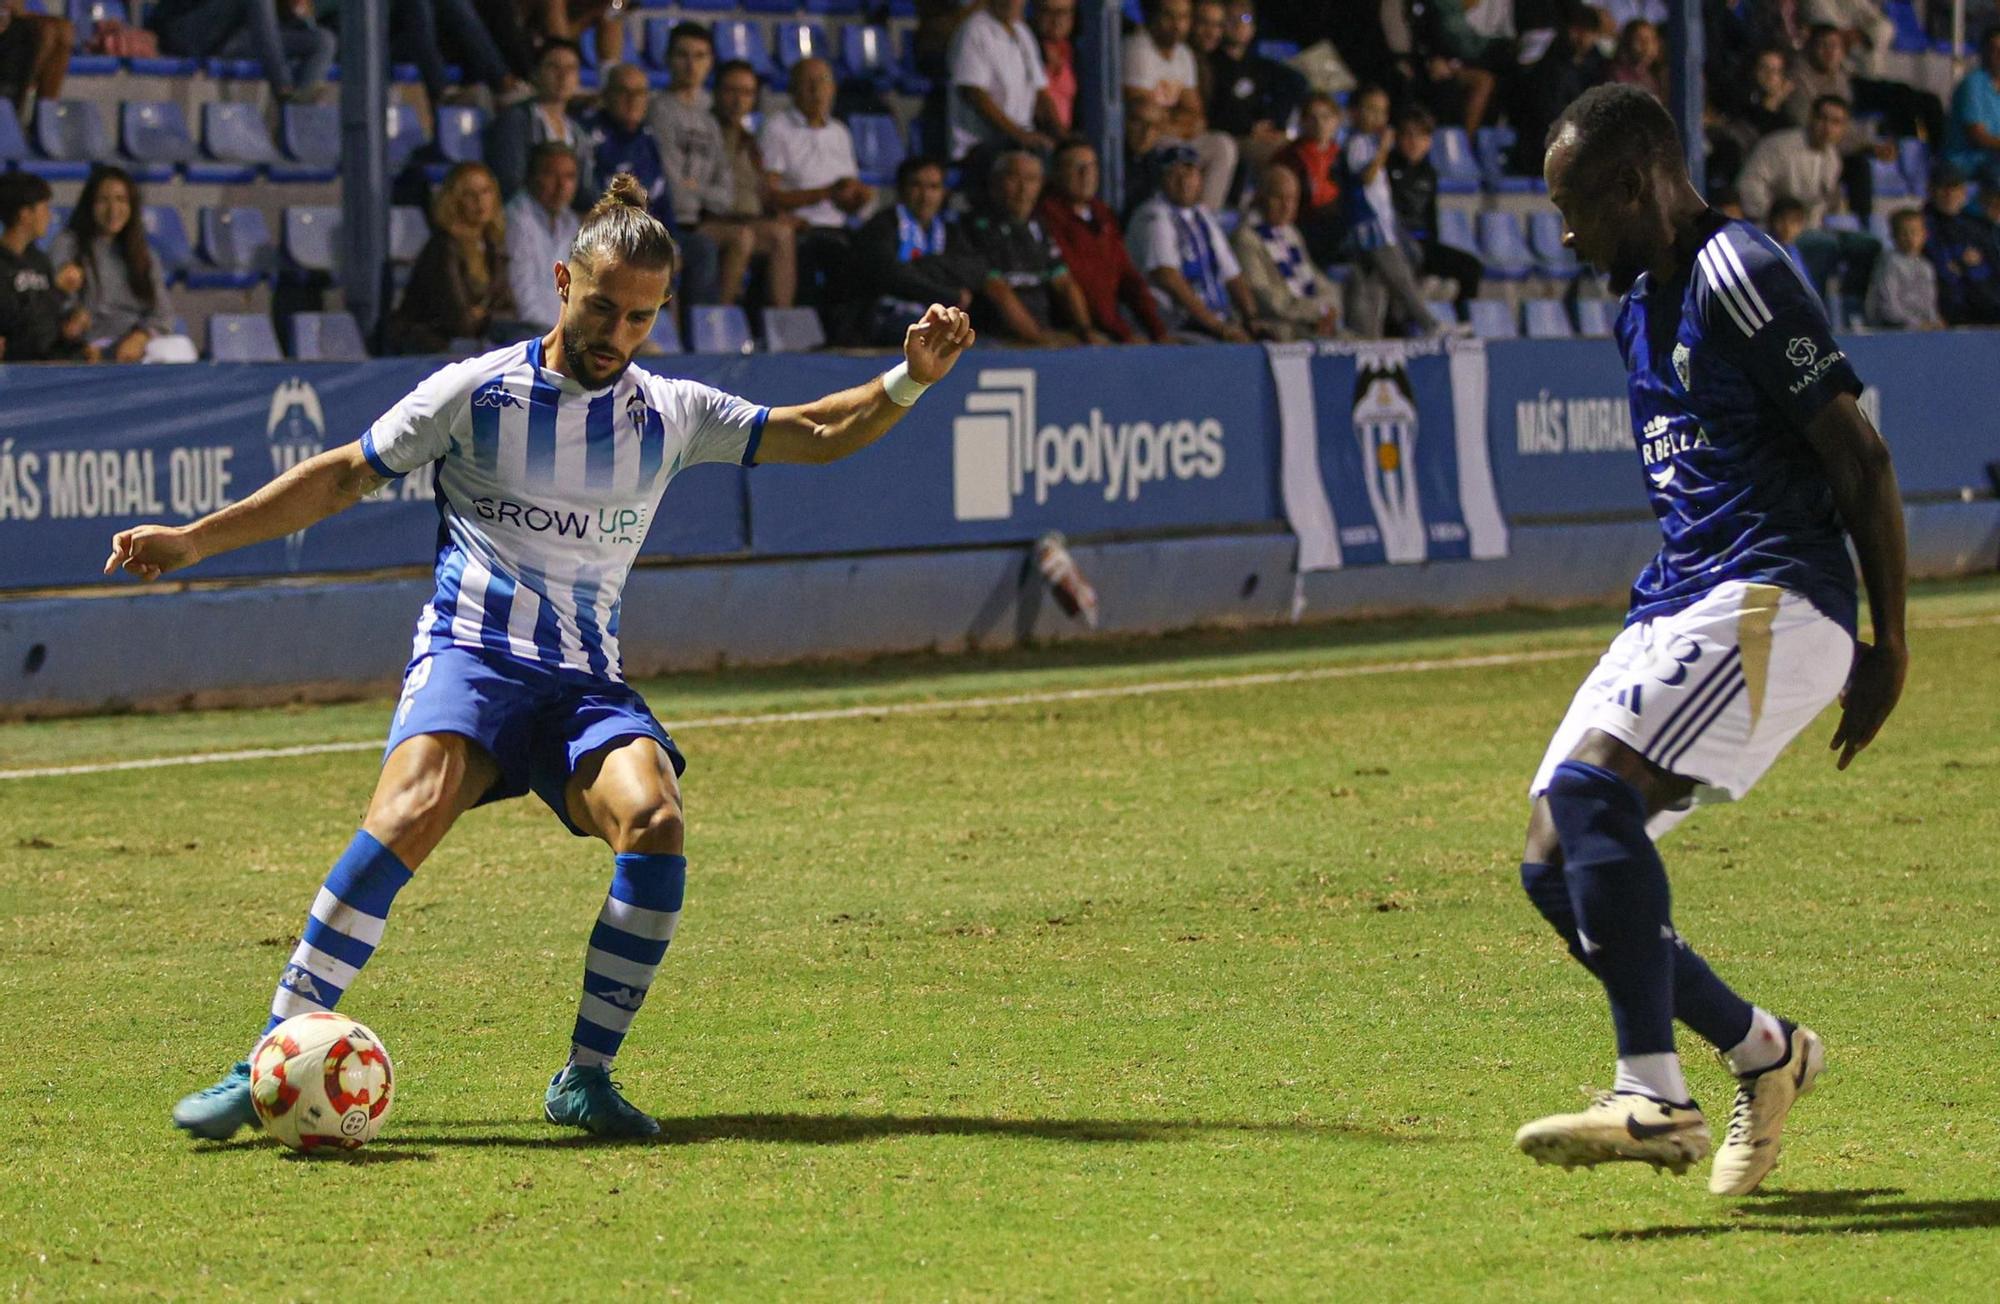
[581,361]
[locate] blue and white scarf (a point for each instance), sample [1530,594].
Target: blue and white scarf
[914,240]
[1289,255]
[1198,261]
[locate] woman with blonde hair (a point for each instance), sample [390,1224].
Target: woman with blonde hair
[458,289]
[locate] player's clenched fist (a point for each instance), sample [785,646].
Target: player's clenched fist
[933,344]
[150,551]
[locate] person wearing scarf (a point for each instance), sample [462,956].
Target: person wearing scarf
[1295,300]
[910,254]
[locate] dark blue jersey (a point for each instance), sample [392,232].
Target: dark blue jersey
[1730,360]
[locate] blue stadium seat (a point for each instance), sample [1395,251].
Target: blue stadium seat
[835,8]
[86,15]
[312,235]
[1494,319]
[1496,146]
[243,337]
[902,8]
[798,41]
[1547,320]
[720,329]
[70,135]
[458,132]
[168,236]
[13,145]
[865,53]
[1910,36]
[234,145]
[310,134]
[667,333]
[327,337]
[1915,160]
[878,147]
[233,69]
[156,138]
[654,47]
[1545,235]
[793,330]
[1890,183]
[768,6]
[1281,51]
[1455,229]
[1451,154]
[737,39]
[405,134]
[709,7]
[1503,247]
[409,229]
[1847,222]
[236,249]
[1594,317]
[1444,310]
[1881,227]
[908,80]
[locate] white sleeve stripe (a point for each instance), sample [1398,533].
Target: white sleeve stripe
[1760,314]
[1722,292]
[1725,282]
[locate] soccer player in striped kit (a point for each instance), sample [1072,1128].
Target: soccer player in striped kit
[1761,467]
[551,457]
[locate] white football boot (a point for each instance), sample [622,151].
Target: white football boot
[1619,1127]
[1750,1149]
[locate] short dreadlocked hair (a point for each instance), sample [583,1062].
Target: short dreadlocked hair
[1618,125]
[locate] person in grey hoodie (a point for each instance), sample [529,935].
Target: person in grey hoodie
[124,285]
[1903,293]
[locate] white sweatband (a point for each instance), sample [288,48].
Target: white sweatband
[901,389]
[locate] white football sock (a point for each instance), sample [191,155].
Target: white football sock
[1658,1076]
[1764,1045]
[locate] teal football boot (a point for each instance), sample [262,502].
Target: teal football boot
[589,1099]
[216,1113]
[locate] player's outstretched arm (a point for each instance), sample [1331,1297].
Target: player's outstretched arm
[847,422]
[1870,503]
[305,495]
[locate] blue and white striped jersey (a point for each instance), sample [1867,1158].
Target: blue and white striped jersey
[546,490]
[1731,358]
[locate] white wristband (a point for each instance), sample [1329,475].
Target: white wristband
[901,389]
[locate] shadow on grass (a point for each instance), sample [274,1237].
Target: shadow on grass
[847,1129]
[1837,1212]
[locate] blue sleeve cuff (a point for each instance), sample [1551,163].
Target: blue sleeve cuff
[375,458]
[756,437]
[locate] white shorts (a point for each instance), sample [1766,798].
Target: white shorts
[1713,692]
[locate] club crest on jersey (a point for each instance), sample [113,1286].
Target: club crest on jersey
[637,411]
[494,394]
[1682,357]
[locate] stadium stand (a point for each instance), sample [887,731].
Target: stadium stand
[720,329]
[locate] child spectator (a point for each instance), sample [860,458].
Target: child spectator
[35,324]
[1384,278]
[1413,190]
[1904,291]
[1315,157]
[1964,252]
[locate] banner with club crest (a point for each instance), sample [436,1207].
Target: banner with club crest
[1384,452]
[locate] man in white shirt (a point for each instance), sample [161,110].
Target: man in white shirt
[1163,97]
[1179,245]
[1000,96]
[809,161]
[1804,163]
[540,227]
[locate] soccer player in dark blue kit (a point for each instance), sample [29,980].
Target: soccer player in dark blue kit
[1760,467]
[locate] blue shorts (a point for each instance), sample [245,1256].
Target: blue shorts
[537,724]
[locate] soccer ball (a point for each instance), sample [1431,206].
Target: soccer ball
[321,1081]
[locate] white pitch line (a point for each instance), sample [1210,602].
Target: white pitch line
[1147,688]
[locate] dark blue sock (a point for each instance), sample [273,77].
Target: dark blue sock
[1618,889]
[1701,1000]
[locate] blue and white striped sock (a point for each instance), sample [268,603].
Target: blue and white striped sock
[626,947]
[343,930]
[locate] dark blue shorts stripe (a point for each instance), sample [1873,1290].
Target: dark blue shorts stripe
[1690,705]
[1715,713]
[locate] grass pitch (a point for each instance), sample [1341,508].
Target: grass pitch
[1219,992]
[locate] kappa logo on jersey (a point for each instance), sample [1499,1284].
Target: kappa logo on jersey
[1801,351]
[1386,426]
[999,453]
[495,394]
[625,998]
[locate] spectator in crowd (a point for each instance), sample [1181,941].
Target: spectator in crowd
[517,129]
[1163,97]
[1785,223]
[698,169]
[507,25]
[1315,157]
[1989,207]
[1963,249]
[1179,245]
[422,31]
[1572,66]
[736,93]
[1413,192]
[1822,73]
[1251,97]
[1867,31]
[1753,112]
[1384,278]
[459,289]
[1726,201]
[1292,297]
[1641,58]
[34,55]
[619,142]
[999,89]
[35,323]
[1205,37]
[281,34]
[541,225]
[1027,283]
[911,255]
[1055,27]
[1087,235]
[1904,292]
[1805,165]
[567,20]
[1972,137]
[124,287]
[1735,30]
[809,160]
[1445,60]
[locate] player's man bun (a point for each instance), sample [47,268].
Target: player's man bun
[620,229]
